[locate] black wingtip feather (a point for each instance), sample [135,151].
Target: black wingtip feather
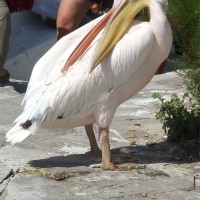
[26,125]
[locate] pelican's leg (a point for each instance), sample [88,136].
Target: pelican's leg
[106,163]
[95,151]
[105,147]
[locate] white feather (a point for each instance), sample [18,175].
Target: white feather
[17,134]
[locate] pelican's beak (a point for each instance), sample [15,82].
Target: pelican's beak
[116,23]
[118,26]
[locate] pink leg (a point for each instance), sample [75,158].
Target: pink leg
[105,146]
[95,151]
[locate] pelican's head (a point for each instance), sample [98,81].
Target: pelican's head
[123,12]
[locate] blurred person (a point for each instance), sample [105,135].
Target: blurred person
[6,8]
[72,12]
[5,29]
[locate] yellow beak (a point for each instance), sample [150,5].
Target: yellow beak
[116,23]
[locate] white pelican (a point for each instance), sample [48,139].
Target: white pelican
[103,64]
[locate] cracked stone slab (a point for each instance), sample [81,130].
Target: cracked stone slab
[29,187]
[99,185]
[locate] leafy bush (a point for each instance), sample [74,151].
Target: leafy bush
[180,123]
[184,17]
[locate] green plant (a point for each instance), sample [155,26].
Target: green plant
[184,17]
[180,122]
[181,116]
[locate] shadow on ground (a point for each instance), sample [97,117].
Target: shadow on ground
[73,160]
[19,86]
[163,152]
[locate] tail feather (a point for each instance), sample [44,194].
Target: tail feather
[17,134]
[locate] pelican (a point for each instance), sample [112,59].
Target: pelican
[87,74]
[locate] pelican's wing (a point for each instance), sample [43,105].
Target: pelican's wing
[59,52]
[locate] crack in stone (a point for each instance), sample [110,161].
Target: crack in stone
[9,175]
[3,190]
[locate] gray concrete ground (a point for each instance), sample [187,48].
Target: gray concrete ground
[55,164]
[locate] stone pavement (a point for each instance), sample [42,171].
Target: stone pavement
[54,164]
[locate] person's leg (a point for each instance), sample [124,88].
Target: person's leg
[5,29]
[70,15]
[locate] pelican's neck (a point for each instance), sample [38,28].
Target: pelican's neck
[158,16]
[160,25]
